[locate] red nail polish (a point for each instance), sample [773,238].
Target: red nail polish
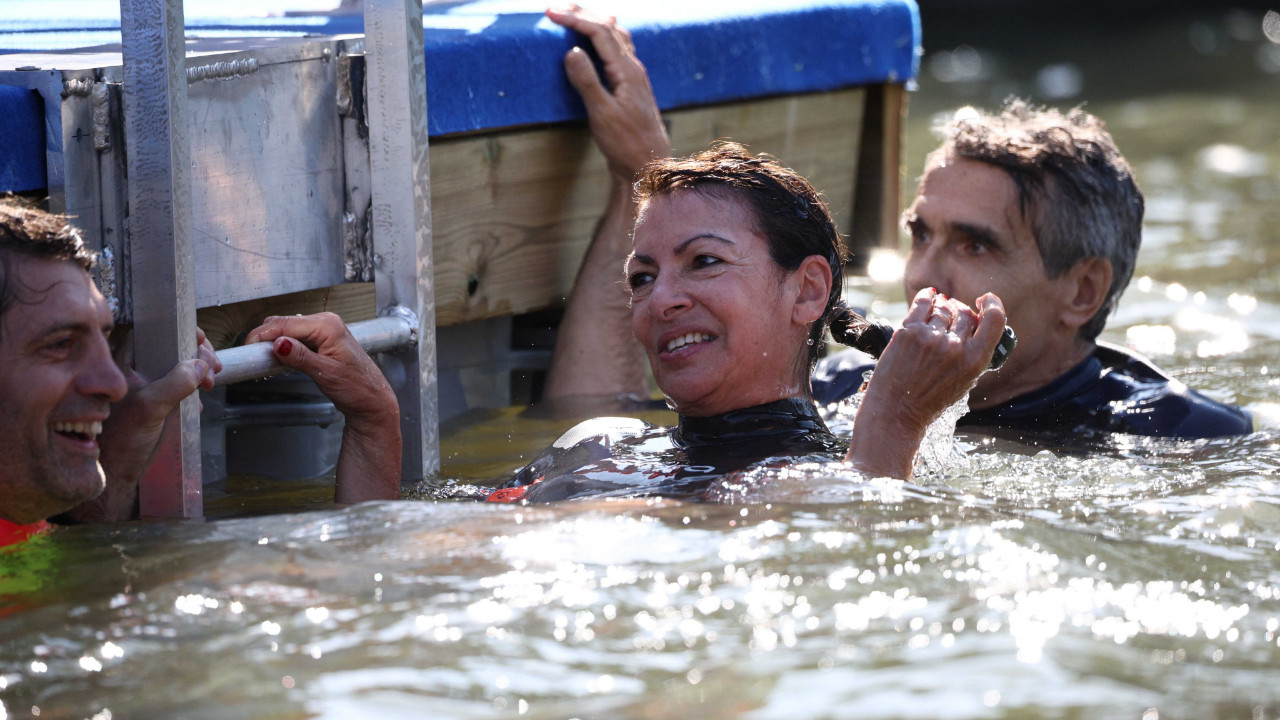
[286,346]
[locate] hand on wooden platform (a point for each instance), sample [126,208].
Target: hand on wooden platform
[321,346]
[595,352]
[623,114]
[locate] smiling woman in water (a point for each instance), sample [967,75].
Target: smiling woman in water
[733,274]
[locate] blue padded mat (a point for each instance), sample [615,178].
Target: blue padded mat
[497,63]
[21,140]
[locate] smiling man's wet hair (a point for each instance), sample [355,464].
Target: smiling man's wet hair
[30,233]
[1075,190]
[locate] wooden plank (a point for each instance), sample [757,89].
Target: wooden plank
[817,135]
[226,325]
[513,211]
[877,193]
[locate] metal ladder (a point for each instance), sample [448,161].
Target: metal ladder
[160,227]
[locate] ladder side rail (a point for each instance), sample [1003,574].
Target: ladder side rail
[159,167]
[401,217]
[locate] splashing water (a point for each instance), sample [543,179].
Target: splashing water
[940,454]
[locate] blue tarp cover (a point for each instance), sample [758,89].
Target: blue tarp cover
[497,63]
[21,140]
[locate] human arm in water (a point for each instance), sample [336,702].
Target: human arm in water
[322,347]
[135,425]
[595,352]
[929,365]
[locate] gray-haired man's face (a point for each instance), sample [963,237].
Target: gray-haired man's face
[968,237]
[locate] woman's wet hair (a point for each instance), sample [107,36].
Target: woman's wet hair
[789,213]
[29,232]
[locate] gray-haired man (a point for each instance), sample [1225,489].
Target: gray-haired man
[1041,208]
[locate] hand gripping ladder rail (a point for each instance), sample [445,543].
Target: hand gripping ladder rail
[160,187]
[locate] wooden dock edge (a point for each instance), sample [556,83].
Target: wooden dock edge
[513,210]
[877,189]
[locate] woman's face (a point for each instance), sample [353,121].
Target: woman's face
[721,323]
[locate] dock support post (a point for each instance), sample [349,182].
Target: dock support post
[877,196]
[159,166]
[404,273]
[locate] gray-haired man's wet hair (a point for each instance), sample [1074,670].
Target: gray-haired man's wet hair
[1075,189]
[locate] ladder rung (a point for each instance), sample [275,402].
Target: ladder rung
[251,362]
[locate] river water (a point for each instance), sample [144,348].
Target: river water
[1142,582]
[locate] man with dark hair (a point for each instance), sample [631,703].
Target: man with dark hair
[77,429]
[60,389]
[1040,208]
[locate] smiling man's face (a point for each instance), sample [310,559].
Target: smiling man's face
[57,383]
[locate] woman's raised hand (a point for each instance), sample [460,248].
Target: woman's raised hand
[623,114]
[929,365]
[595,352]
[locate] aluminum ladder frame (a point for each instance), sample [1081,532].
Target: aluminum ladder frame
[156,131]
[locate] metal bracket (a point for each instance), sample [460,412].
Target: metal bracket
[222,70]
[101,96]
[107,280]
[408,316]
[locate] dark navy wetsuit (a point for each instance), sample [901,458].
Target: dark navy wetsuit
[1111,391]
[627,457]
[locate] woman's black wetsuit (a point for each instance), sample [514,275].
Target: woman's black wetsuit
[627,457]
